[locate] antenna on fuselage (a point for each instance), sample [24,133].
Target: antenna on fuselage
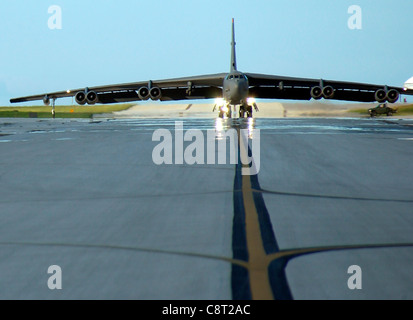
[233,43]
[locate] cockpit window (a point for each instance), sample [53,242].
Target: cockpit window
[236,76]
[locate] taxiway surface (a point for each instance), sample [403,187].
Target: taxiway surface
[86,196]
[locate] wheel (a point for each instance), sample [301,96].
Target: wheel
[389,114]
[249,112]
[241,113]
[221,115]
[373,114]
[229,114]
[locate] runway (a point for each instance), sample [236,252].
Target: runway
[87,196]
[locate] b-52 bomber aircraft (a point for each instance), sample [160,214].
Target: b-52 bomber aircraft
[230,89]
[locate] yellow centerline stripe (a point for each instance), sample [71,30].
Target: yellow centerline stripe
[258,261]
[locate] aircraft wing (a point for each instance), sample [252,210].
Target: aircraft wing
[279,87]
[196,87]
[210,86]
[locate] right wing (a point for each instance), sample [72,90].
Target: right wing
[280,87]
[196,87]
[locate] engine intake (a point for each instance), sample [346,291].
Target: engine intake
[91,97]
[392,96]
[328,92]
[380,95]
[80,98]
[143,93]
[317,93]
[155,93]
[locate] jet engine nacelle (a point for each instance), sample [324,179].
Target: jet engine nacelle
[392,96]
[317,93]
[380,95]
[143,93]
[80,98]
[328,92]
[46,101]
[91,97]
[155,93]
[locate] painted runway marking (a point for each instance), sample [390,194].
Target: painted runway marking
[258,261]
[254,242]
[283,255]
[260,271]
[262,275]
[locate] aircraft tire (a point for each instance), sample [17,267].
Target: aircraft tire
[249,112]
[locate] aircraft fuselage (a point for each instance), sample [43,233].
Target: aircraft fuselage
[235,88]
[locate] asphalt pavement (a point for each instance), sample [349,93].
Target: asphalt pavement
[87,196]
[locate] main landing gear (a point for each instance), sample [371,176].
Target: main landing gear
[224,111]
[246,109]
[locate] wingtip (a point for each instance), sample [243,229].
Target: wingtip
[17,100]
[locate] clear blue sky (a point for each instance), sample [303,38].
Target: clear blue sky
[107,41]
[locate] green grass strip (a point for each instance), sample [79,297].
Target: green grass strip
[60,111]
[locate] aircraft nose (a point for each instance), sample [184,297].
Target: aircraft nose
[237,91]
[237,87]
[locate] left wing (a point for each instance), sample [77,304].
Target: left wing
[197,87]
[279,87]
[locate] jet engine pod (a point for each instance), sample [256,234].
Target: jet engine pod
[91,97]
[46,100]
[155,93]
[392,96]
[143,93]
[80,98]
[380,95]
[328,92]
[316,93]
